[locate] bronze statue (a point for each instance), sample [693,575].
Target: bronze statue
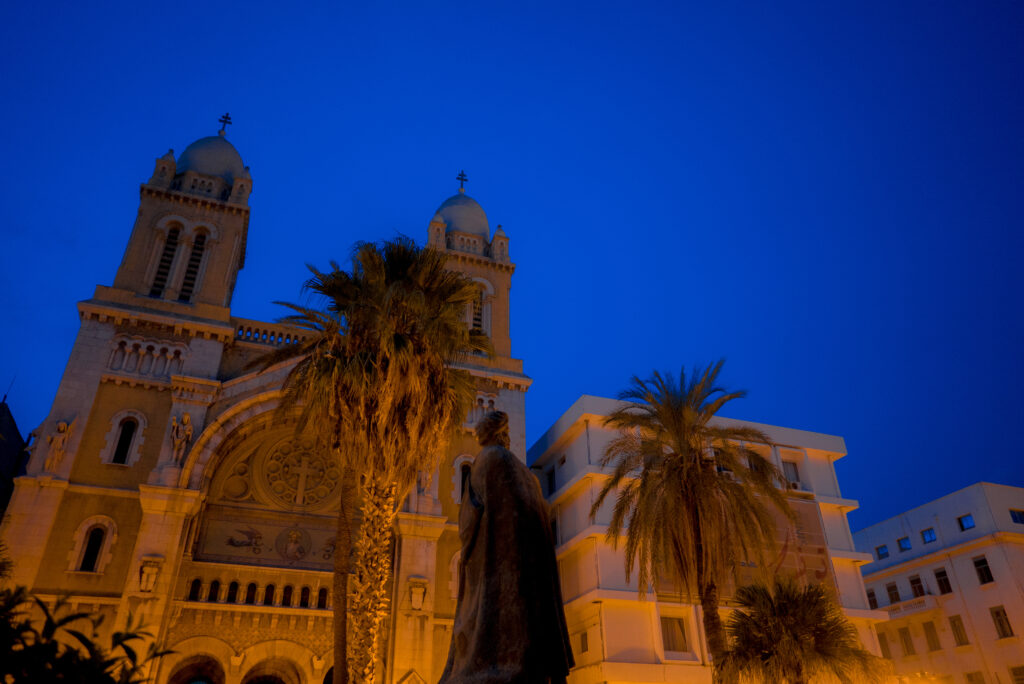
[509,624]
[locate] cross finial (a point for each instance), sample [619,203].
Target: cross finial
[462,180]
[224,121]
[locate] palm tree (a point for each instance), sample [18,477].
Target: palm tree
[374,378]
[693,500]
[791,634]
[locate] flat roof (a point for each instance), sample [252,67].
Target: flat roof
[589,406]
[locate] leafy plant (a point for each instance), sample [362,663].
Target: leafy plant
[57,652]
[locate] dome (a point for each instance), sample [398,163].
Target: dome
[462,213]
[213,156]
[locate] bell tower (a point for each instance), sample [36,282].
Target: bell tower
[189,239]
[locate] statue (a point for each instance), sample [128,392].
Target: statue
[181,437]
[509,624]
[58,443]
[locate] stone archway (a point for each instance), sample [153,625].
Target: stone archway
[273,671]
[198,669]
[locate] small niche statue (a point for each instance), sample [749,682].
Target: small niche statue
[58,444]
[509,624]
[181,437]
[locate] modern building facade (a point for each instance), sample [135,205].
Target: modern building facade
[950,574]
[163,484]
[619,636]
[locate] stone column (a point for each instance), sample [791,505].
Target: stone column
[156,558]
[415,584]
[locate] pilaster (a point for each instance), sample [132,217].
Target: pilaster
[28,523]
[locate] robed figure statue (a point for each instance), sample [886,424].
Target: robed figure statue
[509,624]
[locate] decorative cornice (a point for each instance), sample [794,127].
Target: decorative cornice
[108,312]
[193,200]
[194,390]
[135,381]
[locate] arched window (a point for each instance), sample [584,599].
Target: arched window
[250,593]
[478,312]
[286,597]
[214,592]
[304,598]
[93,546]
[321,599]
[232,593]
[163,269]
[192,270]
[461,468]
[124,441]
[268,595]
[194,589]
[465,472]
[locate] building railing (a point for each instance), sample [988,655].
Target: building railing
[912,605]
[270,334]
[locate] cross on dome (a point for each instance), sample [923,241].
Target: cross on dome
[224,121]
[462,180]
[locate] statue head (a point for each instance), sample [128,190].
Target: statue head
[62,426]
[186,419]
[493,429]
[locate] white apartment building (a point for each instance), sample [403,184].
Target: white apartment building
[617,636]
[950,574]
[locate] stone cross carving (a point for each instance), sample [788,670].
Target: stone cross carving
[58,443]
[181,437]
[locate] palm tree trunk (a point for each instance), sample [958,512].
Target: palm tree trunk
[372,570]
[342,552]
[713,629]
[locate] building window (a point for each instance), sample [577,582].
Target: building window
[942,579]
[551,480]
[286,596]
[124,441]
[984,573]
[188,284]
[883,644]
[1017,516]
[956,624]
[906,643]
[163,268]
[792,473]
[975,678]
[893,591]
[931,636]
[93,546]
[872,599]
[304,598]
[268,595]
[673,635]
[903,543]
[1017,675]
[93,542]
[928,536]
[214,592]
[232,593]
[916,588]
[1002,622]
[584,642]
[882,551]
[194,589]
[321,599]
[478,312]
[462,466]
[250,594]
[965,522]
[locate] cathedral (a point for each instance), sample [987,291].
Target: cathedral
[163,486]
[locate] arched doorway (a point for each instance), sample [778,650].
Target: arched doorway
[199,669]
[273,671]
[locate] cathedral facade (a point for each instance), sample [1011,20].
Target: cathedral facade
[164,486]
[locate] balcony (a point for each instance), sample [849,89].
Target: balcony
[918,604]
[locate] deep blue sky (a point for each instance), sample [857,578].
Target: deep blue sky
[829,195]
